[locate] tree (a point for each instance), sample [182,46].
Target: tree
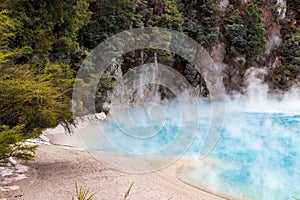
[36,101]
[11,138]
[210,15]
[30,99]
[112,17]
[235,30]
[7,32]
[108,18]
[192,25]
[201,20]
[50,29]
[161,13]
[256,41]
[154,13]
[290,48]
[289,51]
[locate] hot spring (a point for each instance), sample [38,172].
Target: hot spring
[257,155]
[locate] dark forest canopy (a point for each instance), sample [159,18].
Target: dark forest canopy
[43,42]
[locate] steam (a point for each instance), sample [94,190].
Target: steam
[273,43]
[257,91]
[257,156]
[224,4]
[281,4]
[257,96]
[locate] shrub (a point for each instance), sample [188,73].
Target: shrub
[12,144]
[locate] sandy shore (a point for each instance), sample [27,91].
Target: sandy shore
[54,171]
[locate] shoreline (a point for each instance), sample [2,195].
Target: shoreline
[55,169]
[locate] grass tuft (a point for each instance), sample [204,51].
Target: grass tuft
[128,191]
[82,194]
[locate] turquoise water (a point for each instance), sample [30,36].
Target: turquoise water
[256,157]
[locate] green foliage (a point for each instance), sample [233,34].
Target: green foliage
[288,70]
[201,20]
[7,33]
[11,139]
[256,41]
[112,17]
[49,28]
[291,48]
[161,13]
[192,23]
[237,37]
[12,144]
[235,30]
[244,31]
[39,52]
[210,15]
[82,194]
[7,27]
[108,18]
[37,101]
[106,82]
[290,51]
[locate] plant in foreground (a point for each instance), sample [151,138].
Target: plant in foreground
[128,191]
[82,194]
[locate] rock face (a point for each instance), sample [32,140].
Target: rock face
[233,62]
[234,67]
[101,116]
[278,73]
